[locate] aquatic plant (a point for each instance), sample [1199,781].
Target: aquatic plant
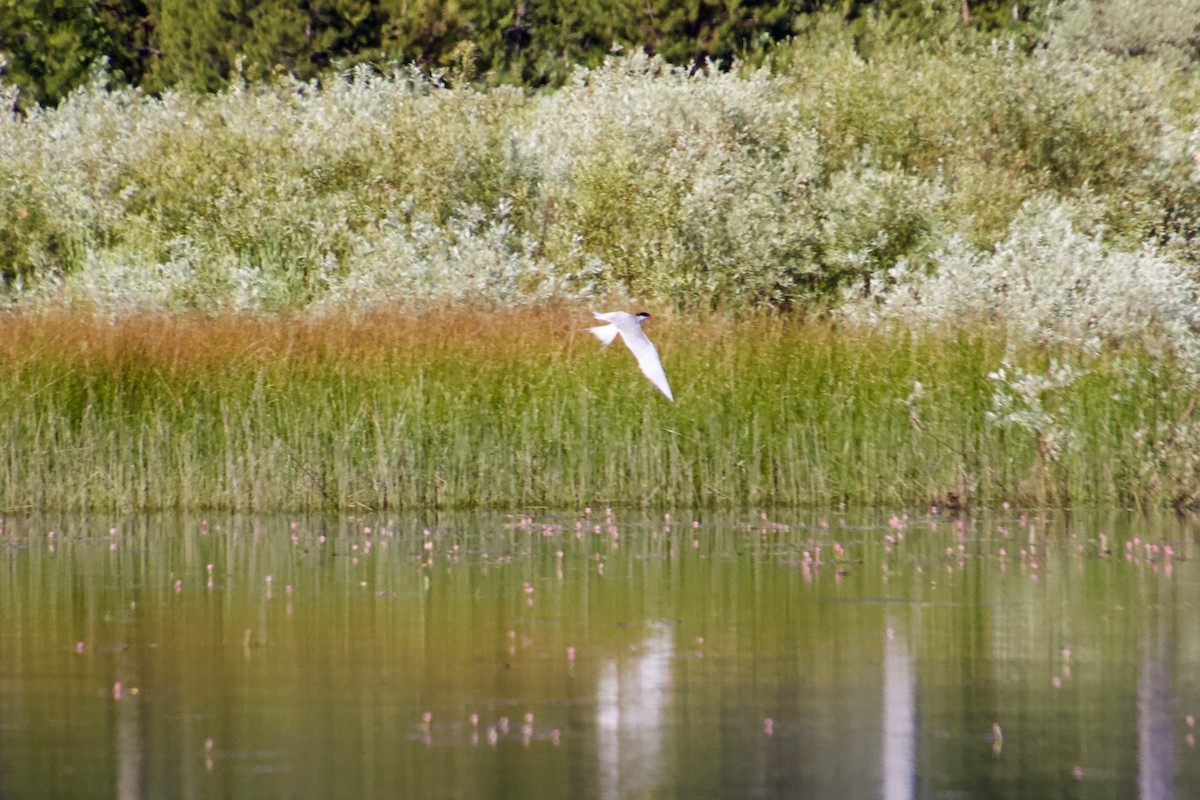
[455,408]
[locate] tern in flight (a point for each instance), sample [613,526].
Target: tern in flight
[630,328]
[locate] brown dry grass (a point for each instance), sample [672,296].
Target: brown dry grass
[467,406]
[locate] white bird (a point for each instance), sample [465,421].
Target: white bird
[630,328]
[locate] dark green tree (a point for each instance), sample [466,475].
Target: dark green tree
[50,45]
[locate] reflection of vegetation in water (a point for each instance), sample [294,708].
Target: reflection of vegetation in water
[465,408]
[327,642]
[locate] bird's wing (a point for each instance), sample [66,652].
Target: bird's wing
[646,354]
[605,333]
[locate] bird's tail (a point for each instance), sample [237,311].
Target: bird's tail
[605,333]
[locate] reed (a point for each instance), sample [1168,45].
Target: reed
[481,407]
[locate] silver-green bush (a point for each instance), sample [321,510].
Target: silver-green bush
[833,174]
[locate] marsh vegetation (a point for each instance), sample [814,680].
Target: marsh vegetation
[884,270]
[516,408]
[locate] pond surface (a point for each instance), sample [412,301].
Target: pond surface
[572,655]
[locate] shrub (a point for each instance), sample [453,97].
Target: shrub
[686,186]
[1048,282]
[1128,27]
[764,189]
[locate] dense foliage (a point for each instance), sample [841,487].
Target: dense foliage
[51,45]
[895,190]
[452,407]
[831,175]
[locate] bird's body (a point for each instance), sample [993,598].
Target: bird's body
[629,326]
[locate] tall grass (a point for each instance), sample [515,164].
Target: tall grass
[1004,241]
[463,408]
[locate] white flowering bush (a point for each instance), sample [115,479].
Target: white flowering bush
[1049,282]
[474,257]
[872,218]
[1021,399]
[897,175]
[683,184]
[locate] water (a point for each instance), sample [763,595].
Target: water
[808,655]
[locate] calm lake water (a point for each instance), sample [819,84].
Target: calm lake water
[570,655]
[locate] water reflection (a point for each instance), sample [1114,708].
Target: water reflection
[1156,740]
[898,751]
[492,657]
[632,694]
[128,724]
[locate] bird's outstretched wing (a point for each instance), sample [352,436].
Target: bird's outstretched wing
[605,333]
[638,343]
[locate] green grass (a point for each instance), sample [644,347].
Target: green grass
[485,408]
